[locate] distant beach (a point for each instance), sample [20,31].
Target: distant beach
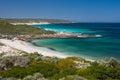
[34,23]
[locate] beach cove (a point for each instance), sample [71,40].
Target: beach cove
[87,40]
[92,47]
[27,47]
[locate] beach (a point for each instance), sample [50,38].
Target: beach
[29,48]
[33,23]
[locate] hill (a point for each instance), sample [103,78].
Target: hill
[9,29]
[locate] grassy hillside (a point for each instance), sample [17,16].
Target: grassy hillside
[8,29]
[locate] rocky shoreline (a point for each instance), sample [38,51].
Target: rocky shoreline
[44,36]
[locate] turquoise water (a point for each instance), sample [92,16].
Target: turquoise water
[94,48]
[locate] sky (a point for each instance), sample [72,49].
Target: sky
[74,10]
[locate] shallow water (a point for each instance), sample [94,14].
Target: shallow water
[94,48]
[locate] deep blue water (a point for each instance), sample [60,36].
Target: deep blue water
[94,48]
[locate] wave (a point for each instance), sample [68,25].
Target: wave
[88,36]
[98,35]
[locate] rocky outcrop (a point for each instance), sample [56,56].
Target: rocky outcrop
[109,62]
[43,36]
[14,61]
[73,77]
[36,76]
[64,35]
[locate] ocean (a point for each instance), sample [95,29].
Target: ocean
[93,48]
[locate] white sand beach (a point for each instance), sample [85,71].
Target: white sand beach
[30,48]
[32,23]
[27,47]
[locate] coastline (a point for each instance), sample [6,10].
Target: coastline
[40,23]
[31,48]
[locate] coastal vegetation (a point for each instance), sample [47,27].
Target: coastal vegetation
[8,29]
[1,44]
[35,66]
